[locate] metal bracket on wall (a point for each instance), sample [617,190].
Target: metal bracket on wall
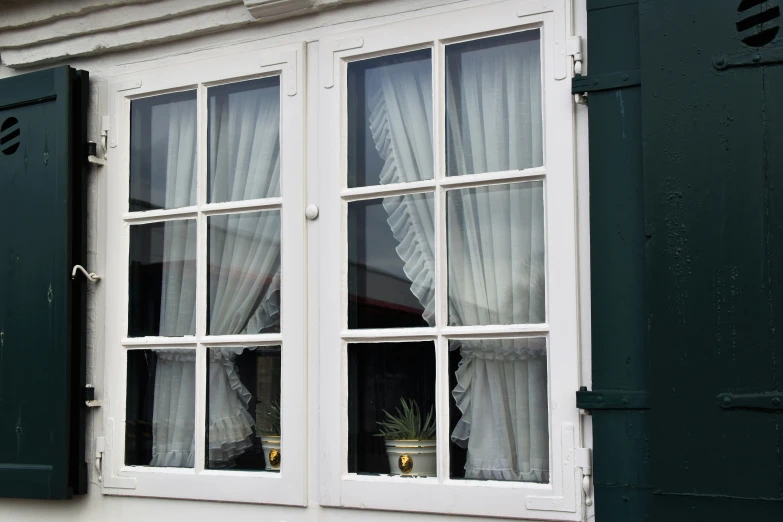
[91,276]
[611,400]
[606,82]
[767,401]
[749,58]
[89,397]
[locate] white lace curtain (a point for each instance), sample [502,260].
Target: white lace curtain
[244,259]
[495,236]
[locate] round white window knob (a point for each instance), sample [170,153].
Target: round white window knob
[311,212]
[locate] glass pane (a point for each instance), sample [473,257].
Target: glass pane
[163,152]
[493,104]
[244,273]
[499,415]
[244,140]
[162,280]
[398,378]
[161,408]
[391,262]
[243,409]
[495,241]
[390,119]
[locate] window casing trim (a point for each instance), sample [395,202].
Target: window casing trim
[289,486]
[557,500]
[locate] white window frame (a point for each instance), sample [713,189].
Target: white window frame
[561,499]
[287,487]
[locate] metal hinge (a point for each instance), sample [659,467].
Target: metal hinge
[95,156]
[100,448]
[574,49]
[89,397]
[584,460]
[588,400]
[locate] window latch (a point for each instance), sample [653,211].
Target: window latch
[584,461]
[91,276]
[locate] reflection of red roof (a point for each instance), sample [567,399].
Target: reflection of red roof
[384,304]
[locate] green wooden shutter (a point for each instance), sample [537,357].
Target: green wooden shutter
[618,400]
[713,171]
[42,137]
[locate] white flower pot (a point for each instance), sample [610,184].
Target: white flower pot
[271,446]
[412,458]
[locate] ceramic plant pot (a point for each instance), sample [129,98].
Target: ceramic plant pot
[271,446]
[412,458]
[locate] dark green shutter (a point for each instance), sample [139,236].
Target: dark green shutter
[713,172]
[619,398]
[42,139]
[686,221]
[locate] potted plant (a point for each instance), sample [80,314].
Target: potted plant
[410,442]
[268,430]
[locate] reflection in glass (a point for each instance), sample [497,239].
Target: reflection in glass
[391,262]
[243,391]
[380,377]
[244,273]
[390,119]
[163,152]
[244,140]
[160,408]
[499,415]
[493,104]
[162,279]
[495,241]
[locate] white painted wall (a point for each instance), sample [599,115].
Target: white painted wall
[159,43]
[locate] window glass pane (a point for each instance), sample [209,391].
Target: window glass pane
[161,408]
[493,104]
[390,119]
[243,410]
[391,262]
[244,273]
[244,140]
[163,152]
[499,414]
[162,281]
[381,376]
[496,258]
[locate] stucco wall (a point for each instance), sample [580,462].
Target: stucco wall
[79,36]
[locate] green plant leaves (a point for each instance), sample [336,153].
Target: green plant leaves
[406,424]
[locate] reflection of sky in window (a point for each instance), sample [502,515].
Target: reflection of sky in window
[380,254]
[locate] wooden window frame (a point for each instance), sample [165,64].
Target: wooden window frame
[561,499]
[288,487]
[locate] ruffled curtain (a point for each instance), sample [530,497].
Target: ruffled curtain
[244,258]
[495,235]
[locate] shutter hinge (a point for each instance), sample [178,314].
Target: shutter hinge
[584,461]
[93,155]
[89,397]
[100,448]
[589,400]
[574,49]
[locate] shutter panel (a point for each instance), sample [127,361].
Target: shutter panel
[42,134]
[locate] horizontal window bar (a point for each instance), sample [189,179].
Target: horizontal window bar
[241,340]
[493,178]
[242,206]
[389,334]
[494,331]
[188,341]
[149,216]
[392,189]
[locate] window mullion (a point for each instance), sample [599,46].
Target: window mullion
[201,280]
[441,274]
